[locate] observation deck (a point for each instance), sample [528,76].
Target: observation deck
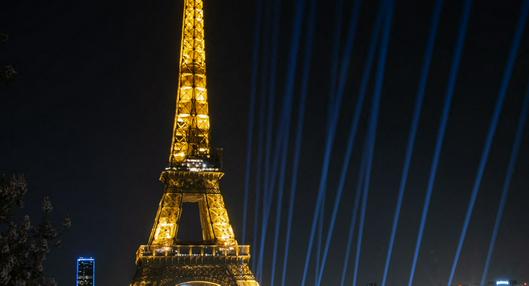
[196,253]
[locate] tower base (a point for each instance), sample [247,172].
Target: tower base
[193,266]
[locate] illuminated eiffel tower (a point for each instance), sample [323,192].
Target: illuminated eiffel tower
[193,176]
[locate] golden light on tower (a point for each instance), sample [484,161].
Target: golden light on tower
[193,176]
[191,129]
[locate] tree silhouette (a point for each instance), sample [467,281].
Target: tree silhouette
[7,71]
[24,245]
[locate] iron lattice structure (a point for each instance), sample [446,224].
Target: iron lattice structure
[193,176]
[191,125]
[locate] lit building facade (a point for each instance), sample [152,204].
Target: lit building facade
[86,271]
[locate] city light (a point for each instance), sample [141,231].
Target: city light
[86,271]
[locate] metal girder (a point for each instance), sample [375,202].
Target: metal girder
[193,177]
[191,126]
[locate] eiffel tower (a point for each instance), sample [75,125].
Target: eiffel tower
[193,177]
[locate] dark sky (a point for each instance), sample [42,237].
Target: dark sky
[89,121]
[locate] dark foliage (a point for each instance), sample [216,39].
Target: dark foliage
[7,72]
[24,245]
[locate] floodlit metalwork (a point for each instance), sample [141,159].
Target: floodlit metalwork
[191,124]
[193,176]
[239,252]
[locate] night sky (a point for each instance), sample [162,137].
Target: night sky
[89,120]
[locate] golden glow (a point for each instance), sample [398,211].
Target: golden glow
[247,283]
[192,177]
[191,129]
[213,216]
[165,231]
[220,220]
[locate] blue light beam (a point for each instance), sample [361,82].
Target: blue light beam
[354,214]
[490,135]
[309,39]
[372,131]
[251,115]
[260,143]
[329,142]
[355,121]
[283,142]
[335,52]
[283,135]
[271,95]
[271,86]
[506,185]
[271,98]
[441,132]
[330,107]
[425,72]
[258,173]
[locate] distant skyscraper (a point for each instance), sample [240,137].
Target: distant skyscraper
[86,271]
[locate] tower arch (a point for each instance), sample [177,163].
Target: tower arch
[193,177]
